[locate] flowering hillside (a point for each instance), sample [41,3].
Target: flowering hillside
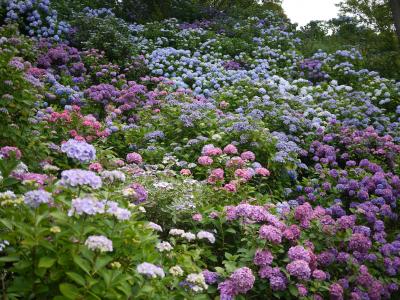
[202,160]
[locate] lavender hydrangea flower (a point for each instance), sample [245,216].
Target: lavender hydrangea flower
[100,243]
[77,177]
[206,235]
[88,206]
[113,176]
[79,150]
[35,198]
[150,270]
[164,247]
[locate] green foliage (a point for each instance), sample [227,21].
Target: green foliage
[18,96]
[374,13]
[380,50]
[108,34]
[49,257]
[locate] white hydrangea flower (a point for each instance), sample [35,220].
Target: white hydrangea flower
[164,246]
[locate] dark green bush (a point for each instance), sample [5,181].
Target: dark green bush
[109,34]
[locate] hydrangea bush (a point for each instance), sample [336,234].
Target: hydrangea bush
[204,160]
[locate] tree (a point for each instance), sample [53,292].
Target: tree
[395,7]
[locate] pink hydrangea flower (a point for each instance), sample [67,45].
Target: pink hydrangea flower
[235,162]
[205,160]
[230,187]
[230,149]
[134,158]
[96,167]
[185,172]
[197,217]
[263,172]
[210,150]
[248,155]
[216,175]
[245,174]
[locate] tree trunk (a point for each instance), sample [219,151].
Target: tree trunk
[395,7]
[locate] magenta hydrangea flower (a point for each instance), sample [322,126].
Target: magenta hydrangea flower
[244,174]
[302,290]
[230,187]
[96,167]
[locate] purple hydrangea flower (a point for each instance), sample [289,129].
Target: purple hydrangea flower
[299,253]
[210,277]
[263,257]
[299,269]
[271,233]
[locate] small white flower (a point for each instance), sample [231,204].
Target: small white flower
[164,246]
[197,281]
[206,235]
[177,232]
[188,236]
[176,271]
[155,226]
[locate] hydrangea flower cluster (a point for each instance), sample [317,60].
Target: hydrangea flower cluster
[240,282]
[80,178]
[79,150]
[99,243]
[150,270]
[39,19]
[35,198]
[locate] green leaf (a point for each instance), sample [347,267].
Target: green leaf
[77,278]
[9,258]
[46,262]
[82,263]
[102,262]
[69,290]
[293,290]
